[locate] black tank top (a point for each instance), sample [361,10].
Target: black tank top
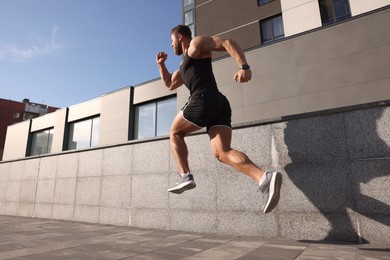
[197,75]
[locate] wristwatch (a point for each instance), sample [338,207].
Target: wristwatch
[245,66]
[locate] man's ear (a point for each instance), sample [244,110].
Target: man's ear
[179,37]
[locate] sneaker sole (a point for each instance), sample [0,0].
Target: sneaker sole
[183,187]
[275,186]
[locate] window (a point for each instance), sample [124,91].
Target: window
[334,10]
[154,119]
[189,14]
[84,134]
[189,17]
[262,2]
[271,29]
[188,2]
[16,114]
[41,142]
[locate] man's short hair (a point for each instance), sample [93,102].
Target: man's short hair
[183,30]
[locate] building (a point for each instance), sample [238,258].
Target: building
[259,22]
[12,112]
[317,109]
[306,56]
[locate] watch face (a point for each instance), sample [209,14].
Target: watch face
[245,66]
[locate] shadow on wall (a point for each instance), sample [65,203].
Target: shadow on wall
[339,162]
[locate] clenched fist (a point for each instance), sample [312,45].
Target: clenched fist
[243,76]
[161,57]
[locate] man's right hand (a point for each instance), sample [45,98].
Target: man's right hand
[161,57]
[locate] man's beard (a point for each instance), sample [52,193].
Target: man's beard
[178,50]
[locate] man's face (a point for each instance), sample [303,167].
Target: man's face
[176,44]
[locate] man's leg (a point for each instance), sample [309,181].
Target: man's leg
[179,129]
[220,138]
[270,182]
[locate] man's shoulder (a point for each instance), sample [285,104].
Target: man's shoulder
[201,46]
[201,40]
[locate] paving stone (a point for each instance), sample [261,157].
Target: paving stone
[32,238]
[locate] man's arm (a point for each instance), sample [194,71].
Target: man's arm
[203,46]
[171,81]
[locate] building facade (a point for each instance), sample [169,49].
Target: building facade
[305,56]
[12,112]
[258,22]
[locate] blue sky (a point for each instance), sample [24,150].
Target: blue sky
[64,52]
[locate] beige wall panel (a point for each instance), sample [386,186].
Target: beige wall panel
[343,39]
[362,6]
[43,122]
[16,140]
[247,37]
[352,95]
[272,109]
[59,130]
[150,91]
[114,117]
[114,128]
[275,86]
[300,16]
[116,101]
[226,17]
[365,66]
[85,109]
[275,58]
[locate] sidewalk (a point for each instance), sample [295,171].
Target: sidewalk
[31,238]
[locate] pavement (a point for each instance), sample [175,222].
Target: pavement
[32,238]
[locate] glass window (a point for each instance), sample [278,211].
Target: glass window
[145,118]
[189,17]
[166,112]
[188,2]
[189,14]
[41,142]
[154,119]
[334,10]
[271,29]
[84,134]
[16,114]
[262,2]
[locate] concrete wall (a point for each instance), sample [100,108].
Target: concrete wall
[335,170]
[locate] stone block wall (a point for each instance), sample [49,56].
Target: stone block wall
[335,167]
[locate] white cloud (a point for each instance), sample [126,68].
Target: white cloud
[17,54]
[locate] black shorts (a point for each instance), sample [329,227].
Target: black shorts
[208,110]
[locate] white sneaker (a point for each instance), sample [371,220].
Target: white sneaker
[187,183]
[271,190]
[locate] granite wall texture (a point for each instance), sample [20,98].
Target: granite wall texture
[335,168]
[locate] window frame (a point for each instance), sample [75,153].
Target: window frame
[49,141]
[270,19]
[155,102]
[335,19]
[91,132]
[261,4]
[189,8]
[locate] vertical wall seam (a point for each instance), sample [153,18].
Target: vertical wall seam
[101,185]
[36,187]
[75,187]
[55,186]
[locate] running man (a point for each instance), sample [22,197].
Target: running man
[207,107]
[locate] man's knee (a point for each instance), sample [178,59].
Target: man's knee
[219,154]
